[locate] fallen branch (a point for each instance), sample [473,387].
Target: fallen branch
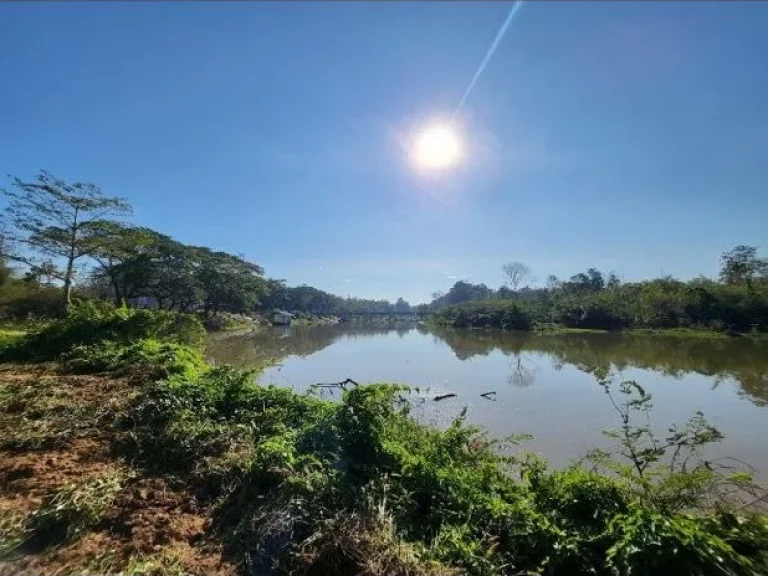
[342,384]
[443,396]
[487,394]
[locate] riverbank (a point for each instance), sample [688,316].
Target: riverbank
[483,323]
[670,332]
[174,466]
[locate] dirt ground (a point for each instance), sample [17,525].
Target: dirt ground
[55,431]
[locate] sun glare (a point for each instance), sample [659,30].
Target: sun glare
[436,148]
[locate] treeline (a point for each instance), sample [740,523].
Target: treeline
[60,239]
[318,302]
[737,302]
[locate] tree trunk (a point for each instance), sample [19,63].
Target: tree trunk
[68,286]
[70,266]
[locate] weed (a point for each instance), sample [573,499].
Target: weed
[67,514]
[40,413]
[11,531]
[166,562]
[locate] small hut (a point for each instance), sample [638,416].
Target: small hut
[281,318]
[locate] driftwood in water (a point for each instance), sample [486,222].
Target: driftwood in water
[443,396]
[487,395]
[342,384]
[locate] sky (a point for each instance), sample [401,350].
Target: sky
[632,137]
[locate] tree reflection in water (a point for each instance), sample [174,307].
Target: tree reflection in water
[741,359]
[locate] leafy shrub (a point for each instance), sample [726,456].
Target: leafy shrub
[293,476]
[92,322]
[155,359]
[647,542]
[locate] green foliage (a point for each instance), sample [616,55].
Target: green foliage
[68,513]
[9,335]
[647,542]
[486,314]
[312,301]
[155,359]
[292,474]
[666,472]
[21,301]
[57,220]
[662,303]
[742,265]
[91,322]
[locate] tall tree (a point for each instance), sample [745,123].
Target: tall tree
[229,282]
[741,265]
[517,274]
[54,218]
[126,256]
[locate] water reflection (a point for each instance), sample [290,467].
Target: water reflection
[741,359]
[261,347]
[540,381]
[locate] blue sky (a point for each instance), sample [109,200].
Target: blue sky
[627,136]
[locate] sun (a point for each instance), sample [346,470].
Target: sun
[436,148]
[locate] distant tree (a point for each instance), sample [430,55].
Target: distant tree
[596,280]
[505,293]
[517,274]
[52,217]
[741,265]
[421,308]
[45,273]
[553,283]
[401,306]
[613,281]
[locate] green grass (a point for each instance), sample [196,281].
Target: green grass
[9,335]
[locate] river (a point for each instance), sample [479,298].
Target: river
[542,382]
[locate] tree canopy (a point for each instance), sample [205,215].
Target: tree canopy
[54,219]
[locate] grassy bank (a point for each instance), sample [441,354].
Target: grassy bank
[130,454]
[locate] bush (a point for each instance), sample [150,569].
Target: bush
[92,322]
[646,542]
[292,474]
[154,359]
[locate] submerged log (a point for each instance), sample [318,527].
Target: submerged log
[443,396]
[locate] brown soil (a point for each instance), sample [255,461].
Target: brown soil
[150,522]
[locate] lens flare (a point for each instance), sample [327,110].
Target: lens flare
[436,148]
